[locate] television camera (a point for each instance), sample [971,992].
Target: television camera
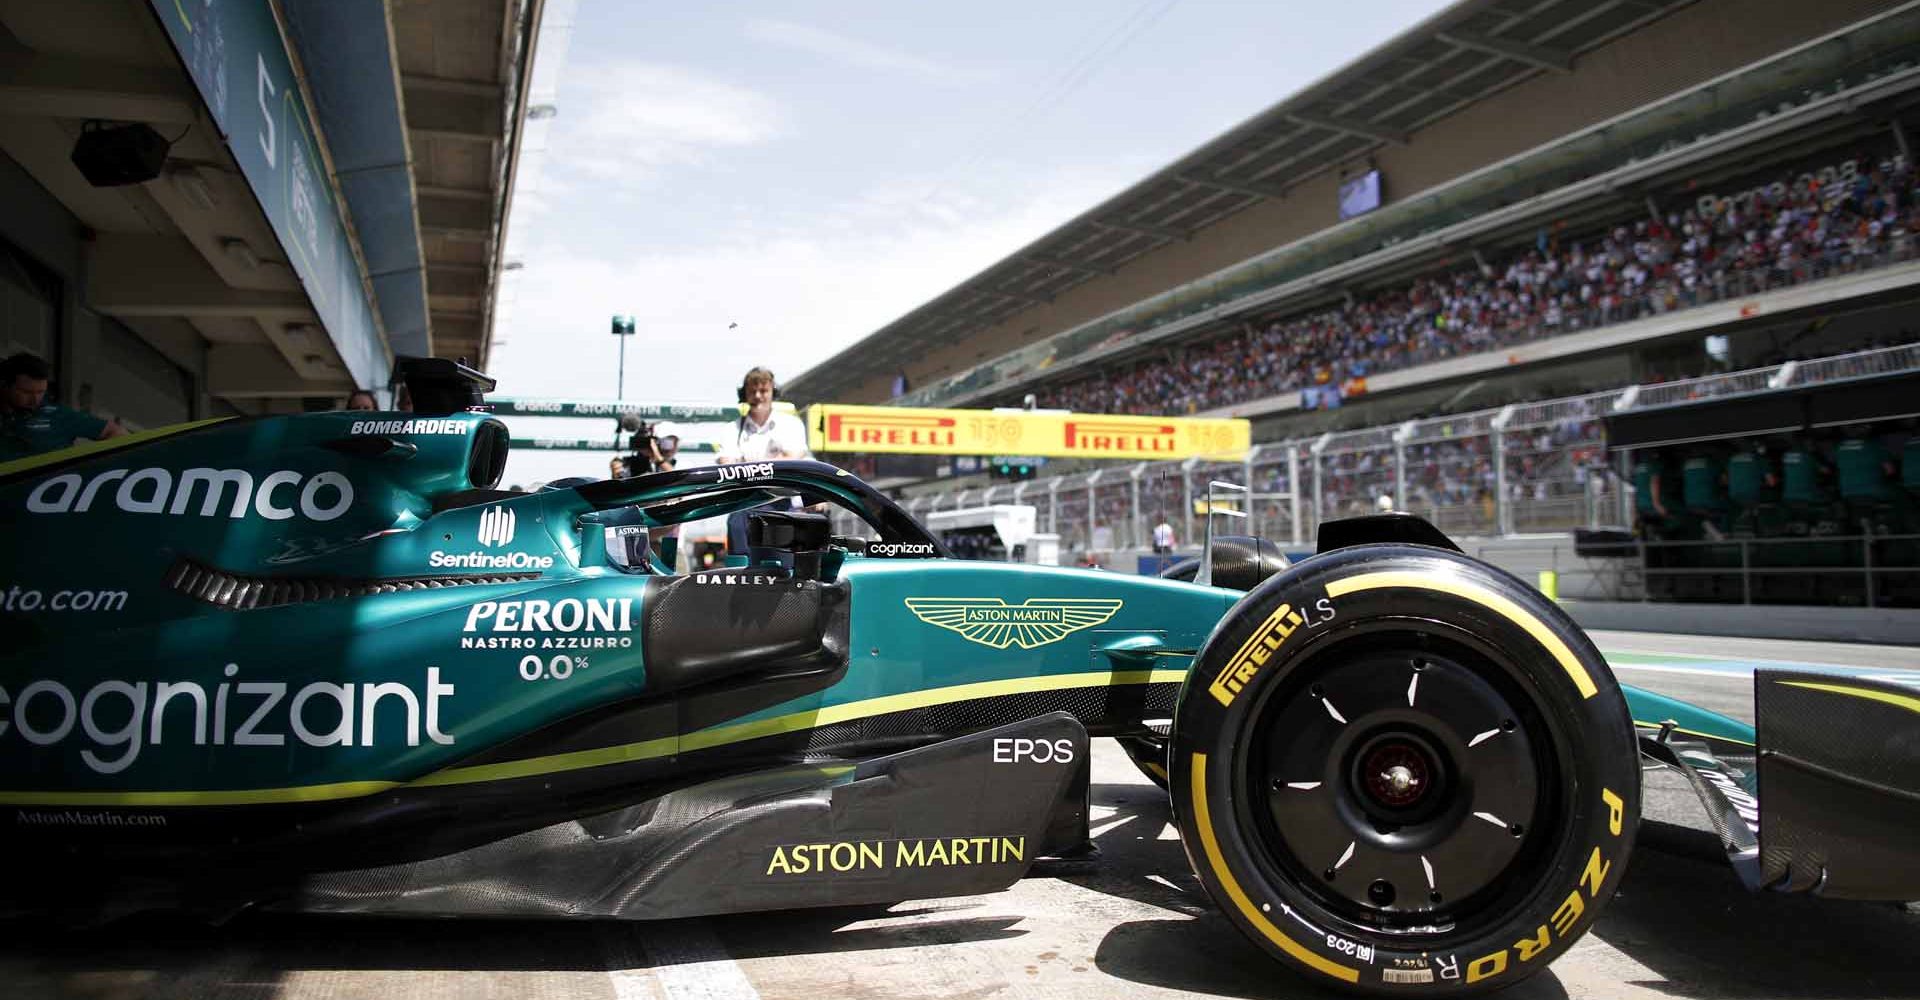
[646,451]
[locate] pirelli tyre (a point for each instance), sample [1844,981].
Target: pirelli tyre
[1402,771]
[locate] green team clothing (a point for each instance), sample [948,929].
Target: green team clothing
[1747,478]
[1858,461]
[49,428]
[1799,477]
[1643,473]
[1700,483]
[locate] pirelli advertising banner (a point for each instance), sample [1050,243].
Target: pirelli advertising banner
[895,430]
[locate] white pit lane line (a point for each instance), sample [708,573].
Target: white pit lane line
[671,960]
[1907,678]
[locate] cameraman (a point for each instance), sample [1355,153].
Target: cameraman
[643,449]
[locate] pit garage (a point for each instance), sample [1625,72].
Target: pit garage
[253,207]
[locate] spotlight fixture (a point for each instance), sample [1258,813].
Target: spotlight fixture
[112,155]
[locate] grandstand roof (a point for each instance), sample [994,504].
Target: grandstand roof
[1453,59]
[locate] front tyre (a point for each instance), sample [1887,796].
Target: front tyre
[1403,771]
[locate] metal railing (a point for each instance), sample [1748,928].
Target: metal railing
[1844,569]
[1864,570]
[1885,361]
[1519,469]
[1709,386]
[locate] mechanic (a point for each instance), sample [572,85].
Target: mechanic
[761,435]
[361,399]
[30,423]
[1162,534]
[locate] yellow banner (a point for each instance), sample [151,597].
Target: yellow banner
[894,430]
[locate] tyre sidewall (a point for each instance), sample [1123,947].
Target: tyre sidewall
[1305,611]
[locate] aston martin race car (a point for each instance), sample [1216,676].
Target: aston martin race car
[322,663]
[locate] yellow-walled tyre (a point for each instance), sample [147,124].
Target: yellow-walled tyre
[1402,771]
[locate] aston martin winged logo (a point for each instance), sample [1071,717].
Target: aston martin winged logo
[991,621]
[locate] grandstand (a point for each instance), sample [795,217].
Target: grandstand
[1473,147]
[1744,201]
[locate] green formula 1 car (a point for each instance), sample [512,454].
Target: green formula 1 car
[320,663]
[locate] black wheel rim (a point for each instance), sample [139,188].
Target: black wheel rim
[1402,776]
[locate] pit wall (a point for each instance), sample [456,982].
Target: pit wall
[1590,591]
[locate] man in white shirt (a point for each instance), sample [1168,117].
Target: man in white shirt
[760,435]
[1163,536]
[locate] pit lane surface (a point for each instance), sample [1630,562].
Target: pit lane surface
[1132,923]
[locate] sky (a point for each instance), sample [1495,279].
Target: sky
[763,183]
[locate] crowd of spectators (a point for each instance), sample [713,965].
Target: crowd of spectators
[1556,471]
[1116,510]
[1801,229]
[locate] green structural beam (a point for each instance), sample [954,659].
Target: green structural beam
[583,444]
[678,412]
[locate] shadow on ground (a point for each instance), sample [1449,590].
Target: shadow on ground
[1680,914]
[1682,922]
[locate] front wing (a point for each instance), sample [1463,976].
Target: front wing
[1831,803]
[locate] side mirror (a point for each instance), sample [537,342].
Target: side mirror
[799,536]
[1241,562]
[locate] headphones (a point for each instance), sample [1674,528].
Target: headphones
[740,393]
